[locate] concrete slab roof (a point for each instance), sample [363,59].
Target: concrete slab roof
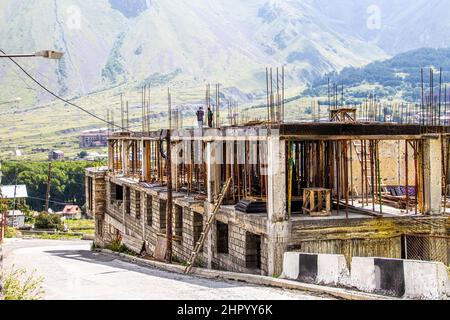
[295,130]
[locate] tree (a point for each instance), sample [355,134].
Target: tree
[67,183]
[82,154]
[49,221]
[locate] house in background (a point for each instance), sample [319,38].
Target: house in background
[94,138]
[15,219]
[70,212]
[55,155]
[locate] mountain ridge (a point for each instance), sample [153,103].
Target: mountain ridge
[110,43]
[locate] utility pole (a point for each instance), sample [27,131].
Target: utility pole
[169,200]
[14,198]
[49,181]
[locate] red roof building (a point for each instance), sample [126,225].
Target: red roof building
[71,212]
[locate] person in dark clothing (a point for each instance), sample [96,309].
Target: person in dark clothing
[200,116]
[210,117]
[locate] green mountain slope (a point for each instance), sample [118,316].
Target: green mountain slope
[387,78]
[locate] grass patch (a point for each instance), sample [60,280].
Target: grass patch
[57,236]
[81,226]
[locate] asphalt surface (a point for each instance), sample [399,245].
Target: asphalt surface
[72,272]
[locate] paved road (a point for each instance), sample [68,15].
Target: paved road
[71,271]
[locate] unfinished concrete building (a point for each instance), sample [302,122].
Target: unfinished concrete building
[311,187]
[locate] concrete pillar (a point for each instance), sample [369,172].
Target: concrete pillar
[125,157]
[432,161]
[276,162]
[213,169]
[174,161]
[278,225]
[144,160]
[208,247]
[110,156]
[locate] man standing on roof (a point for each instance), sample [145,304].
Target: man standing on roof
[200,116]
[210,117]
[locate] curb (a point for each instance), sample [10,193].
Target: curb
[253,279]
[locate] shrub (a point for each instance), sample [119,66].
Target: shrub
[17,285]
[116,246]
[11,232]
[49,221]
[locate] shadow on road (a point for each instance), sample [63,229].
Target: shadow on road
[110,261]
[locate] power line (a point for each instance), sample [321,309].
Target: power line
[42,199]
[60,98]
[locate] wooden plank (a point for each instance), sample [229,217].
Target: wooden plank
[160,248]
[134,244]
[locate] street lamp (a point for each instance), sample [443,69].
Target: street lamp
[48,54]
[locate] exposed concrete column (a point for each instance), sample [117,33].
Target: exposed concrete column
[208,246]
[212,158]
[213,169]
[110,156]
[125,157]
[144,160]
[278,226]
[175,161]
[276,163]
[432,161]
[210,168]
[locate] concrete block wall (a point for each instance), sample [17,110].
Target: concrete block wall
[98,194]
[159,219]
[151,230]
[113,208]
[97,205]
[183,246]
[235,260]
[183,249]
[108,234]
[133,220]
[241,231]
